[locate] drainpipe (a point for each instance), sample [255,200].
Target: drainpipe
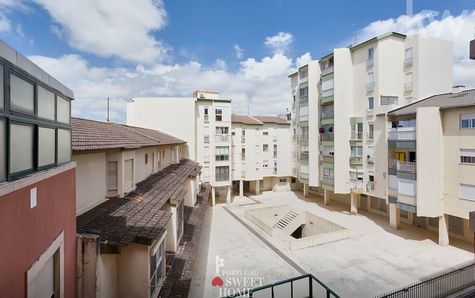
[472,226]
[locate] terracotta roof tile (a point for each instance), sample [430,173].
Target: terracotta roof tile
[95,135]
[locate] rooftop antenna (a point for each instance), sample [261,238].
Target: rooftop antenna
[108,109]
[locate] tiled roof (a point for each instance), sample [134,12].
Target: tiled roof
[137,217]
[95,135]
[443,101]
[272,119]
[258,120]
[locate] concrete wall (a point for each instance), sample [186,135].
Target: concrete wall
[429,162]
[313,123]
[28,231]
[91,190]
[133,271]
[455,173]
[107,276]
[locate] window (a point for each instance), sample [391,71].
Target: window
[146,158]
[265,148]
[275,167]
[206,114]
[467,121]
[64,145]
[371,178]
[22,97]
[2,99]
[370,53]
[222,173]
[46,104]
[112,180]
[357,131]
[389,100]
[408,81]
[456,225]
[356,151]
[370,81]
[303,113]
[467,192]
[328,172]
[129,174]
[21,147]
[180,216]
[3,142]
[206,136]
[293,180]
[265,133]
[222,130]
[370,155]
[219,115]
[222,153]
[371,131]
[157,269]
[304,133]
[467,156]
[370,103]
[46,146]
[63,110]
[356,175]
[233,133]
[243,153]
[328,151]
[275,151]
[408,57]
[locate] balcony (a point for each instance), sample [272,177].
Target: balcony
[221,138]
[222,177]
[327,93]
[408,134]
[222,157]
[303,100]
[370,86]
[408,62]
[405,199]
[328,180]
[408,86]
[243,139]
[369,63]
[327,70]
[327,137]
[304,156]
[303,139]
[392,167]
[406,166]
[328,114]
[328,159]
[356,135]
[358,160]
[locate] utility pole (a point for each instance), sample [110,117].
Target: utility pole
[108,109]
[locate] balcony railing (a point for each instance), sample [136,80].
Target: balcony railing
[405,199]
[328,180]
[328,114]
[356,135]
[327,93]
[406,166]
[304,156]
[222,177]
[327,136]
[221,138]
[370,86]
[303,99]
[222,157]
[402,135]
[327,70]
[328,159]
[303,138]
[408,62]
[356,159]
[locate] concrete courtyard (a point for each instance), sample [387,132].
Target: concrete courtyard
[373,260]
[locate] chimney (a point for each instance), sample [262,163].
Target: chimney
[458,89]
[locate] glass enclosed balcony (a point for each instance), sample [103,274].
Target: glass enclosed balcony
[402,134]
[327,136]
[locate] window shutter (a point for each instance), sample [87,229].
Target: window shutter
[43,284]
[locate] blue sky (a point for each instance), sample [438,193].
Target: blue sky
[123,49]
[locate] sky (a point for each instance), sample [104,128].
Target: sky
[245,49]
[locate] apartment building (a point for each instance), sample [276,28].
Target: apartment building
[132,187]
[431,159]
[37,182]
[261,147]
[203,121]
[346,95]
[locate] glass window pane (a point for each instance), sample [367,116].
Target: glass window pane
[46,146]
[63,110]
[3,143]
[21,94]
[45,103]
[2,94]
[21,147]
[64,145]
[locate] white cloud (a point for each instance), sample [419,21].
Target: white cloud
[279,43]
[6,7]
[238,52]
[262,84]
[304,59]
[111,28]
[459,29]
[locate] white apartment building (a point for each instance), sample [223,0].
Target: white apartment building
[203,121]
[340,104]
[261,147]
[431,161]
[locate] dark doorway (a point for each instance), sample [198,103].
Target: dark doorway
[297,234]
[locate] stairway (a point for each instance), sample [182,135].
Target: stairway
[286,220]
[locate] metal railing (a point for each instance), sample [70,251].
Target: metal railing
[328,180]
[356,135]
[441,284]
[303,155]
[327,136]
[406,166]
[328,159]
[356,159]
[302,286]
[402,135]
[221,138]
[327,93]
[328,114]
[222,177]
[303,138]
[406,199]
[303,99]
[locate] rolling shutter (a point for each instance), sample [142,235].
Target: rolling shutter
[43,284]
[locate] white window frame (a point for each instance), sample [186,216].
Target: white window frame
[467,192]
